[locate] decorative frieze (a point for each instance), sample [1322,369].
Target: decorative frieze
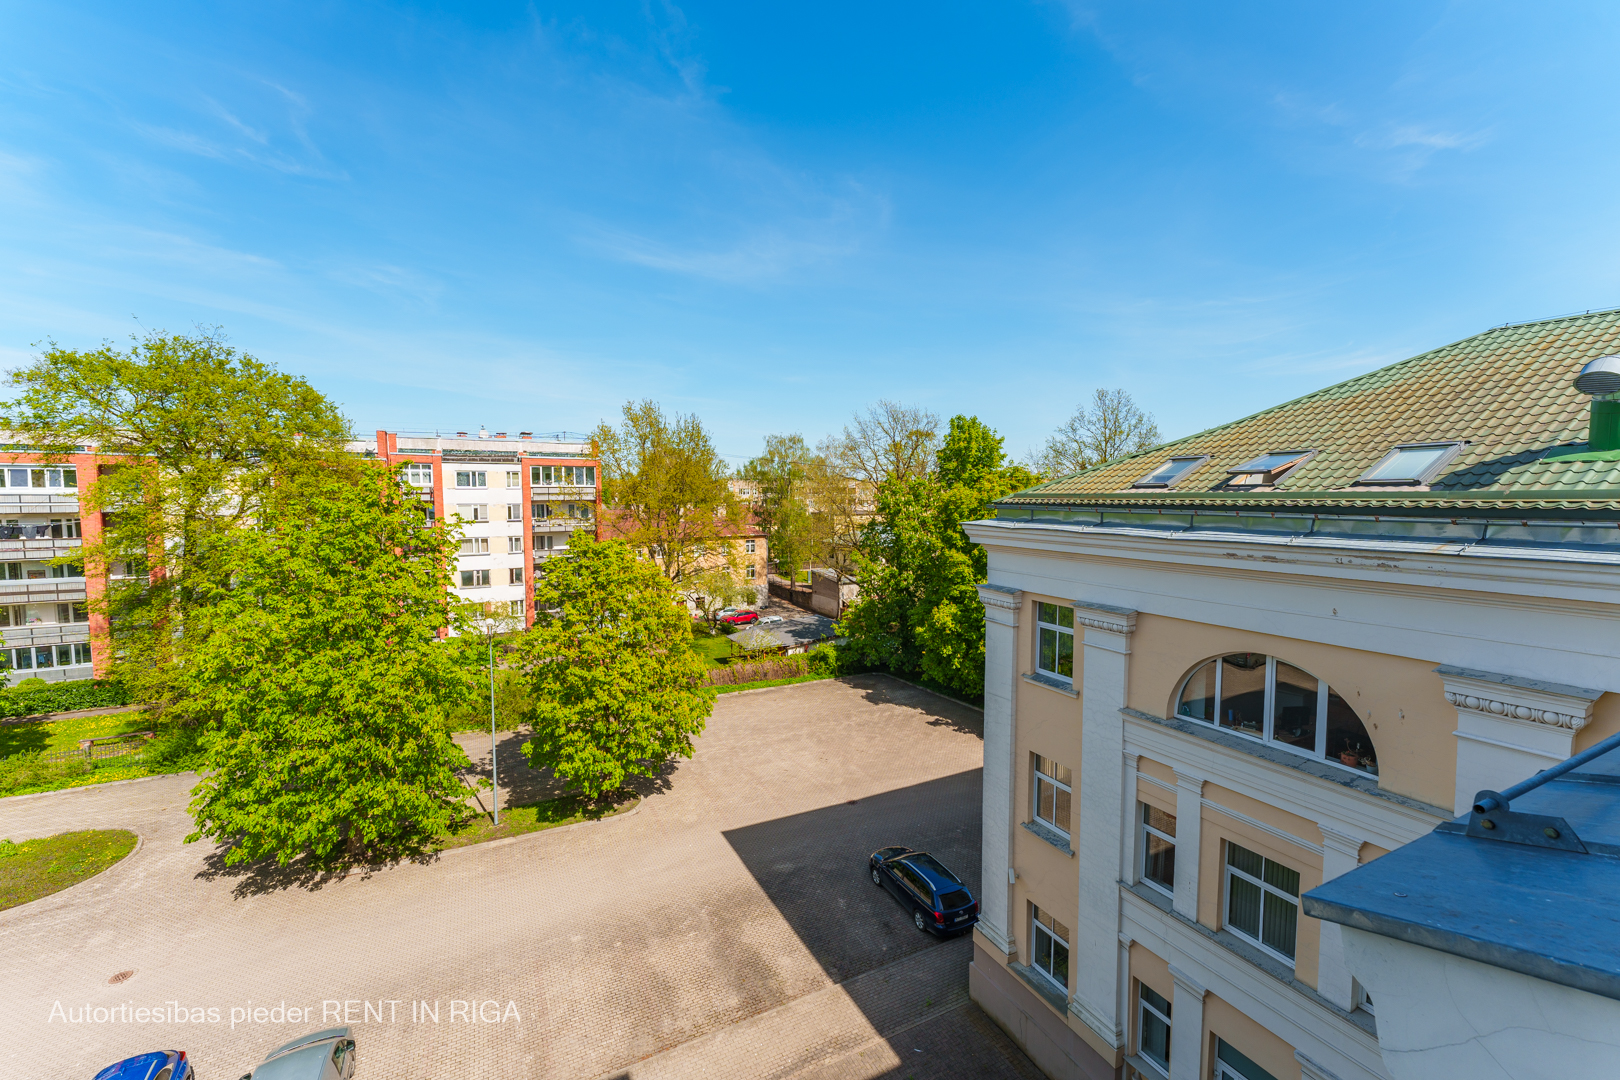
[1516,711]
[1115,620]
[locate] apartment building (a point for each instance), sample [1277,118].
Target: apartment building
[1229,669]
[520,499]
[45,624]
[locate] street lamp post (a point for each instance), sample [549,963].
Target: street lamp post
[494,765]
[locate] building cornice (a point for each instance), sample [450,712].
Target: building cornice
[1511,698]
[1096,616]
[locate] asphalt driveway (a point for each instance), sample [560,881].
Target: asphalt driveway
[724,928]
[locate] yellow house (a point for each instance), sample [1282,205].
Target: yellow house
[1223,671]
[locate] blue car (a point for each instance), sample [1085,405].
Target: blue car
[158,1065]
[938,901]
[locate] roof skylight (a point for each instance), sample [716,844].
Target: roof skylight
[1171,472]
[1267,468]
[1411,463]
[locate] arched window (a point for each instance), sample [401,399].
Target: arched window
[1272,700]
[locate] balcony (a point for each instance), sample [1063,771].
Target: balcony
[41,590]
[47,548]
[39,501]
[561,524]
[44,634]
[563,491]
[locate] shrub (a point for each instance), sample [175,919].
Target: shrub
[31,697]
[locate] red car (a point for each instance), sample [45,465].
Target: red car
[742,618]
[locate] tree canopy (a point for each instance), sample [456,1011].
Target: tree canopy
[667,489]
[204,435]
[320,684]
[919,610]
[615,685]
[1110,427]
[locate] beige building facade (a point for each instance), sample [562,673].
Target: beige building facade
[1207,696]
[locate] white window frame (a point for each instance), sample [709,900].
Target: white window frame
[1142,850]
[1145,1007]
[1268,727]
[748,547]
[514,478]
[1037,778]
[514,545]
[1060,630]
[475,478]
[514,575]
[514,511]
[749,572]
[1035,929]
[473,511]
[419,475]
[475,575]
[474,545]
[516,607]
[1226,901]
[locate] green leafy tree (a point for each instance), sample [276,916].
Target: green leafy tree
[712,591]
[321,685]
[919,610]
[667,490]
[202,436]
[617,689]
[780,477]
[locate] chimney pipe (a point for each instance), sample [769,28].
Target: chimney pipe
[1601,379]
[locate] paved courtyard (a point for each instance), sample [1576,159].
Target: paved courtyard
[725,928]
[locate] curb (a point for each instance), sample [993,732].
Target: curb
[140,842]
[486,845]
[783,686]
[85,787]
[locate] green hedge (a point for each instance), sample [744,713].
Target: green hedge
[35,696]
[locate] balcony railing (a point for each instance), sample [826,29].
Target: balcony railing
[31,532]
[44,634]
[562,491]
[39,590]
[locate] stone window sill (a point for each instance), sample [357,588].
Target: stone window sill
[1051,836]
[1042,987]
[1051,683]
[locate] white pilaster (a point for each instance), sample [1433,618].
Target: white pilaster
[1186,1027]
[1001,608]
[1096,960]
[1189,820]
[1129,872]
[1509,728]
[1341,853]
[1313,1070]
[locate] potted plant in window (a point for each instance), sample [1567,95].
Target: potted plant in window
[1351,757]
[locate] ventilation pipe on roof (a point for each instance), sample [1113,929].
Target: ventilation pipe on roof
[1601,379]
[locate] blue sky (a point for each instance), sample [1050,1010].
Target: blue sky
[521,215]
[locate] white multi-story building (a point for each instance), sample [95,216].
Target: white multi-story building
[1224,671]
[519,500]
[44,622]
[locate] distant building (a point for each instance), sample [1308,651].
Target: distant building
[46,627]
[1224,671]
[520,499]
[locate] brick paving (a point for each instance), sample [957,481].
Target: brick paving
[726,928]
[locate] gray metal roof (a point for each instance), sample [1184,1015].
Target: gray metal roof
[1528,886]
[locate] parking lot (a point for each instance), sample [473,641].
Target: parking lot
[725,928]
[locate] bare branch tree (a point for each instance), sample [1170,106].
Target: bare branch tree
[1112,426]
[891,440]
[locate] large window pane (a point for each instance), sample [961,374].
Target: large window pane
[1347,741]
[1043,951]
[1245,860]
[1198,695]
[1280,877]
[1277,931]
[1048,655]
[1155,1040]
[1059,968]
[1243,692]
[1044,803]
[1294,721]
[1243,905]
[1060,812]
[1160,862]
[1065,655]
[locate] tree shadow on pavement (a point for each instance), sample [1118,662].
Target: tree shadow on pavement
[939,710]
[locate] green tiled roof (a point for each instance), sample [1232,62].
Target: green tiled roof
[1506,392]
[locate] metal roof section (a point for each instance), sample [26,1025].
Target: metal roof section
[1508,396]
[1525,882]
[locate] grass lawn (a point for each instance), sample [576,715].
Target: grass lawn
[47,735]
[517,820]
[36,868]
[712,649]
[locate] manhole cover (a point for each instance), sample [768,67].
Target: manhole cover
[122,976]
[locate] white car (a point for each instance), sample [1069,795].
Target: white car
[770,618]
[325,1055]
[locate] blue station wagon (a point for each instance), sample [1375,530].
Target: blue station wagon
[938,901]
